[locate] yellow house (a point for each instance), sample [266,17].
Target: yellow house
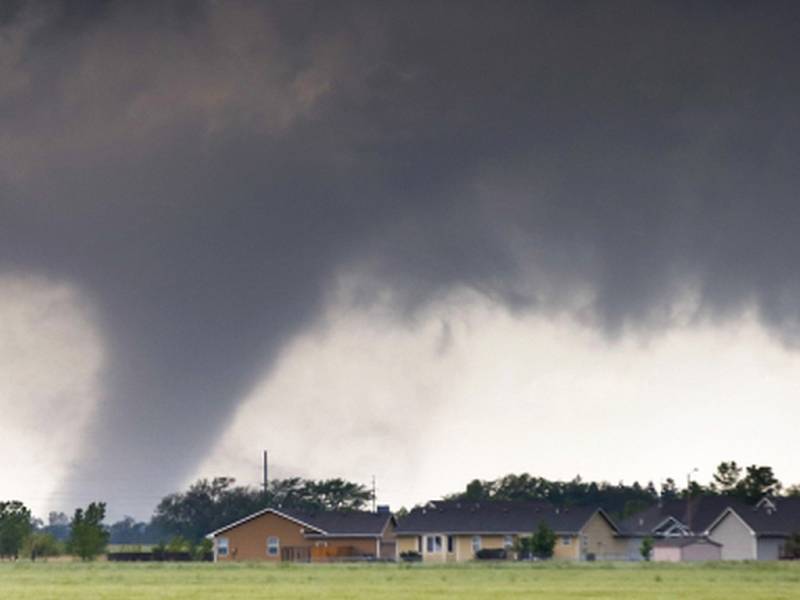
[445,531]
[276,534]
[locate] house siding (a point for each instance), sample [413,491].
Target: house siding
[701,552]
[567,551]
[407,543]
[738,541]
[598,538]
[667,554]
[248,541]
[770,548]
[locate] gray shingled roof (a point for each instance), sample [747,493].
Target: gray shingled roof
[494,517]
[783,521]
[354,522]
[704,511]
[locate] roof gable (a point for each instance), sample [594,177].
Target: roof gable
[260,513]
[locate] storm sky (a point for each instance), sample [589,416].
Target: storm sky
[426,241]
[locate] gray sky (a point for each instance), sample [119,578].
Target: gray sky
[192,194]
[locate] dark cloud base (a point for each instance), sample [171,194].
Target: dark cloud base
[206,171]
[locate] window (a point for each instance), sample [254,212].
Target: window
[434,543]
[508,541]
[476,543]
[566,540]
[273,545]
[222,546]
[450,543]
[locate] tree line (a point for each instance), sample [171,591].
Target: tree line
[748,484]
[22,535]
[182,519]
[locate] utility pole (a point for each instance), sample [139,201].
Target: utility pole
[689,500]
[374,507]
[266,472]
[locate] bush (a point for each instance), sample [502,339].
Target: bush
[202,550]
[646,549]
[491,554]
[791,550]
[411,556]
[41,545]
[543,542]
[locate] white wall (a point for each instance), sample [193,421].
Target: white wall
[738,541]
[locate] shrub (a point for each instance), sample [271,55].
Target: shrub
[411,556]
[41,545]
[646,549]
[543,542]
[491,554]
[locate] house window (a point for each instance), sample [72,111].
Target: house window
[273,545]
[508,541]
[222,546]
[450,544]
[434,543]
[476,543]
[566,540]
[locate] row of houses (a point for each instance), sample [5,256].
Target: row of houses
[707,528]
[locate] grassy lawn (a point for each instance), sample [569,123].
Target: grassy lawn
[204,580]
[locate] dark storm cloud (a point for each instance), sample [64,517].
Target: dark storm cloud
[205,172]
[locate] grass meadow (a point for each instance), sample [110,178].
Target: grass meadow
[618,581]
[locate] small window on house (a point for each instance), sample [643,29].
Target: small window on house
[450,544]
[508,541]
[273,545]
[476,543]
[566,540]
[222,546]
[434,543]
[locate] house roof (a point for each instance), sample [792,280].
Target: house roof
[704,511]
[495,517]
[682,542]
[354,523]
[782,520]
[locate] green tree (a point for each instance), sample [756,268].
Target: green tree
[793,491]
[726,477]
[757,483]
[543,541]
[646,548]
[791,548]
[41,544]
[209,505]
[15,525]
[199,551]
[669,490]
[88,537]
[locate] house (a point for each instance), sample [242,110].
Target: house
[686,548]
[674,519]
[758,532]
[277,534]
[445,531]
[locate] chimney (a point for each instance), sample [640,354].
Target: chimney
[383,509]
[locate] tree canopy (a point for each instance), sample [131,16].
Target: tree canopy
[209,505]
[88,537]
[15,526]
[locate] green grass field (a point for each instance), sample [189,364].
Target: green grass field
[619,581]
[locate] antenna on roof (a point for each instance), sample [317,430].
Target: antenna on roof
[374,508]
